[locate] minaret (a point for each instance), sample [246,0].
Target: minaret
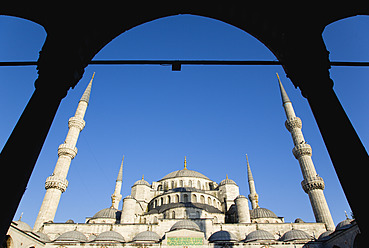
[253,196]
[57,183]
[312,184]
[116,196]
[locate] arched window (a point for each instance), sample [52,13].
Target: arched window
[160,188]
[180,183]
[185,198]
[202,199]
[198,184]
[173,214]
[168,199]
[177,198]
[215,219]
[161,201]
[198,214]
[209,200]
[214,203]
[173,186]
[193,198]
[190,183]
[155,203]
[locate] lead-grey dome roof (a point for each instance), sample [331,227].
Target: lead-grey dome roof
[262,213]
[227,181]
[109,213]
[221,236]
[184,173]
[259,235]
[344,224]
[185,224]
[43,237]
[110,236]
[72,236]
[141,182]
[147,236]
[295,235]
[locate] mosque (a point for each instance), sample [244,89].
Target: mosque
[184,208]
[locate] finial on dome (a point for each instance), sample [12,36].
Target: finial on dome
[20,217]
[143,177]
[345,215]
[185,164]
[226,176]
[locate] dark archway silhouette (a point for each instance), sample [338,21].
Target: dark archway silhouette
[75,35]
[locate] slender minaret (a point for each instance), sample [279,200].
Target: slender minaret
[312,184]
[57,183]
[116,196]
[253,196]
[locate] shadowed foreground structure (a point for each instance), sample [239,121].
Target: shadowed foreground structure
[75,35]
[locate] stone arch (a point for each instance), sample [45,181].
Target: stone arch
[193,198]
[202,199]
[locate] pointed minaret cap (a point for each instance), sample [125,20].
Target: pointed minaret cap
[86,95]
[249,174]
[283,92]
[120,173]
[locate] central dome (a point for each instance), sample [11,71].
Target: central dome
[184,173]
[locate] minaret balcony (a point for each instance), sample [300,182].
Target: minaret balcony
[67,150]
[294,122]
[302,150]
[76,122]
[311,184]
[56,182]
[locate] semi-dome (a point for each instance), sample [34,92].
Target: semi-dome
[344,224]
[262,213]
[259,235]
[23,226]
[147,236]
[184,173]
[295,235]
[222,236]
[185,224]
[109,213]
[110,236]
[72,236]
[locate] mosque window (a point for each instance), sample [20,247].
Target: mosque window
[177,198]
[173,186]
[209,200]
[185,198]
[198,184]
[168,199]
[193,198]
[180,183]
[202,199]
[190,183]
[173,214]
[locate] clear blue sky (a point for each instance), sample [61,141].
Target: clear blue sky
[211,114]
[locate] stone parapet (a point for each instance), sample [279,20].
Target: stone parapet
[56,182]
[67,150]
[311,184]
[301,150]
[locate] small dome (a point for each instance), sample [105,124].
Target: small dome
[222,236]
[325,235]
[259,235]
[262,213]
[147,236]
[72,236]
[344,224]
[227,181]
[185,224]
[141,182]
[23,226]
[184,173]
[43,237]
[110,236]
[109,213]
[299,220]
[295,235]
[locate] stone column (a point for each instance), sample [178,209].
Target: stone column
[243,211]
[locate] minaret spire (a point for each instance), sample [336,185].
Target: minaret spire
[312,184]
[116,196]
[57,183]
[253,196]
